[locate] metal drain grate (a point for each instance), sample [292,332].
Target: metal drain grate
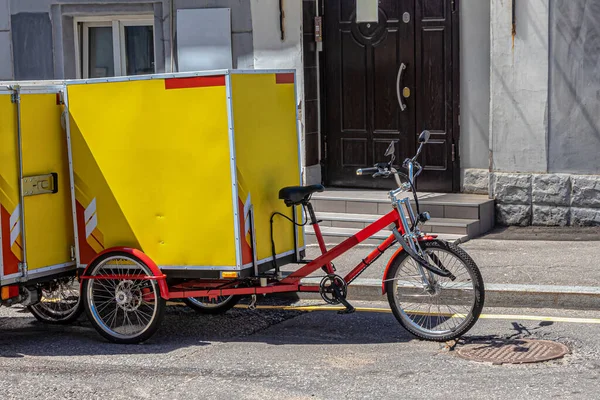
[513,351]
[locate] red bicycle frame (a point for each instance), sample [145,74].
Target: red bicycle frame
[291,283]
[325,259]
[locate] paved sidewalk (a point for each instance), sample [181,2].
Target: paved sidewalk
[542,270]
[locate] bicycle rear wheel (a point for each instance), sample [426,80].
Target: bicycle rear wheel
[60,302]
[121,303]
[432,307]
[217,305]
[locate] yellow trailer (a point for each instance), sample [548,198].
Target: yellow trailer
[184,169]
[176,166]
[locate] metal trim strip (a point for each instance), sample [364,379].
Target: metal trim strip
[261,71]
[23,265]
[39,273]
[198,268]
[301,180]
[277,257]
[59,82]
[71,174]
[233,167]
[52,267]
[148,77]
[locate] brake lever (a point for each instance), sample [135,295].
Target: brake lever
[385,174]
[418,167]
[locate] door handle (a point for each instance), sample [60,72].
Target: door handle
[40,184]
[398,82]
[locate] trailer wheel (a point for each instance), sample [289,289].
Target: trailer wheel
[122,309]
[218,305]
[60,303]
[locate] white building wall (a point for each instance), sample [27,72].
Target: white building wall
[270,52]
[542,132]
[519,86]
[6,71]
[474,83]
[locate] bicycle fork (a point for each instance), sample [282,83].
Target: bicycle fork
[411,244]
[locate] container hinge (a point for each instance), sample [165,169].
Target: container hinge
[15,96]
[72,253]
[453,152]
[23,272]
[453,6]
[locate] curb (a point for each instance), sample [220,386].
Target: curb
[496,295]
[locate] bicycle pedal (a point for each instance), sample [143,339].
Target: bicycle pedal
[347,310]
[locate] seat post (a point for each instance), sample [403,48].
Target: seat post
[311,213]
[329,268]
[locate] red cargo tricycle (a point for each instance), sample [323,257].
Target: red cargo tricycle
[434,288]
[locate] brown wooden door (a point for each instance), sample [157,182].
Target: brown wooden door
[363,113]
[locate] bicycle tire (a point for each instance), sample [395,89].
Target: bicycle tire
[93,309]
[402,315]
[196,304]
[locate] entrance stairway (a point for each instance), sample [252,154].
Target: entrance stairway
[454,217]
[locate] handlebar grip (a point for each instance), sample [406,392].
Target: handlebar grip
[367,171]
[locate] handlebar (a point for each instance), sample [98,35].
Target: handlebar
[413,168]
[378,168]
[367,171]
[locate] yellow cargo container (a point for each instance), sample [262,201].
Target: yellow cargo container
[185,168]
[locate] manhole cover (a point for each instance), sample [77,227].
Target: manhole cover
[514,351]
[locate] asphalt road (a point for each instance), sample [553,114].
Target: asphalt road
[288,355]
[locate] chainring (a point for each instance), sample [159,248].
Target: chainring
[327,292]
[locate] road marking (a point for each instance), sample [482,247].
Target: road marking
[385,310]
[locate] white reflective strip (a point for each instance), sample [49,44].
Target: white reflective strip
[15,216]
[91,225]
[14,234]
[247,205]
[90,210]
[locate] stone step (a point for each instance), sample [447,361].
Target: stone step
[450,206]
[333,235]
[469,227]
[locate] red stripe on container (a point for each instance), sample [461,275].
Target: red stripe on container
[284,78]
[195,81]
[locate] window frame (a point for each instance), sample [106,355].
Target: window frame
[118,23]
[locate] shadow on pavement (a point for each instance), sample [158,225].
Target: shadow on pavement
[22,335]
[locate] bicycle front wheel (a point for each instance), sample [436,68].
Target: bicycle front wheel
[432,307]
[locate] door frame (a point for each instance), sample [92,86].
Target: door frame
[455,107]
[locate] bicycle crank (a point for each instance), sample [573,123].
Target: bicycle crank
[333,290]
